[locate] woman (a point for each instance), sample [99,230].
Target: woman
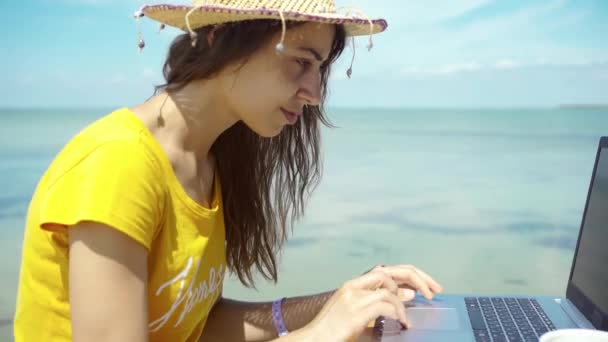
[133,225]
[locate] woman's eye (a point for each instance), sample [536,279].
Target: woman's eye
[304,63]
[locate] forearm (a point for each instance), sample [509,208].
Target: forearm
[232,320]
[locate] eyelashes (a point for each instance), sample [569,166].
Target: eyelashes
[305,66]
[304,63]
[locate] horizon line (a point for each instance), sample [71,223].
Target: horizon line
[590,106]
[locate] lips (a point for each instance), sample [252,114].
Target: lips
[292,117]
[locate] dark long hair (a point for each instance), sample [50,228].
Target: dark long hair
[266,182]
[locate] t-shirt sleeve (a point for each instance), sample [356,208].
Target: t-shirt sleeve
[117,184]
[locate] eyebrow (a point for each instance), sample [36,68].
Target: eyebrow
[313,52]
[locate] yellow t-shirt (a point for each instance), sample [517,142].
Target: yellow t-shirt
[115,172]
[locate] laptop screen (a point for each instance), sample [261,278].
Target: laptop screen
[590,270]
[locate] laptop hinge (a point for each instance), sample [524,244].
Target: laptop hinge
[574,314]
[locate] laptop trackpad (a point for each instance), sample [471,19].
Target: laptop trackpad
[433,318]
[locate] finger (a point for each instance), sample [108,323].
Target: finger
[375,268]
[407,275]
[435,287]
[406,293]
[382,308]
[368,297]
[374,280]
[387,282]
[372,297]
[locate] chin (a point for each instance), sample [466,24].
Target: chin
[268,131]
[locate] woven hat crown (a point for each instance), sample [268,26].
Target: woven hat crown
[303,6]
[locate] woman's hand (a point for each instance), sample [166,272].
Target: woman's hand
[410,280]
[379,292]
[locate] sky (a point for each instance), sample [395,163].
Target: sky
[435,53]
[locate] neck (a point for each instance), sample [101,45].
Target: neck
[188,120]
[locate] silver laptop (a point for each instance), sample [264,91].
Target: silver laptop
[518,318]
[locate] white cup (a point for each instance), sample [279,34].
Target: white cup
[575,335]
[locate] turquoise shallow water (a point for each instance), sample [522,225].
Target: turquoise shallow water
[484,200]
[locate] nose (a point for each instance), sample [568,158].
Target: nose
[310,89]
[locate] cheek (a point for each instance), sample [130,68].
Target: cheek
[263,92]
[254,106]
[253,98]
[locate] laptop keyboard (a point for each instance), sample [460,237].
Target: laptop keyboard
[507,319]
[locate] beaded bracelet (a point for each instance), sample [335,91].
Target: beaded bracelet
[277,317]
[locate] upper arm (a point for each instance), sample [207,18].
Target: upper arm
[107,284]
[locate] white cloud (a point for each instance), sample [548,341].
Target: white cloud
[402,13]
[504,65]
[515,25]
[507,64]
[524,34]
[116,79]
[445,69]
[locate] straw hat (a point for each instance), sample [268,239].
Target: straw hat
[213,12]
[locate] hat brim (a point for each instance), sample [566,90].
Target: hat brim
[175,16]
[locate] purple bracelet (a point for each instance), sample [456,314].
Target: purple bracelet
[277,317]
